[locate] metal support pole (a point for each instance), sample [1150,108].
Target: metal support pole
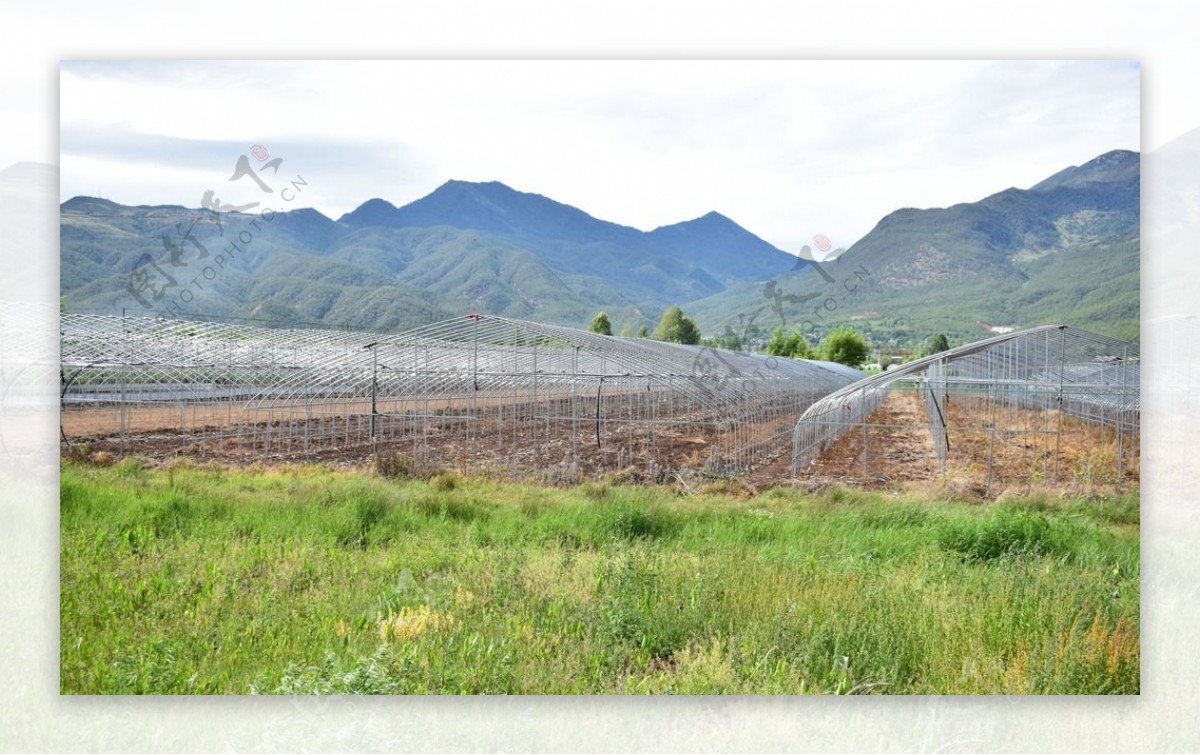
[374,386]
[599,386]
[1062,369]
[575,407]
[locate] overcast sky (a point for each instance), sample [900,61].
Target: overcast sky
[786,149]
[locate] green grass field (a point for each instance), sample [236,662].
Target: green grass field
[307,580]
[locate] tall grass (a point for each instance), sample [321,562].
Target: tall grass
[307,580]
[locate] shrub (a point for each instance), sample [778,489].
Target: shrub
[601,325]
[595,491]
[392,466]
[793,344]
[361,515]
[102,459]
[453,507]
[1007,533]
[628,521]
[130,467]
[677,327]
[845,346]
[78,451]
[897,515]
[444,482]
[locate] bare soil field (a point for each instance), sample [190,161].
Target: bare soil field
[492,436]
[990,450]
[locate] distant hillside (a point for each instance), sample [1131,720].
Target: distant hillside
[465,247]
[649,270]
[281,276]
[1116,167]
[1066,250]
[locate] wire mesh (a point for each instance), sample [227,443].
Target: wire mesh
[472,392]
[1049,404]
[120,377]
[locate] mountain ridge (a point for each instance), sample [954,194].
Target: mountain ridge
[1066,249]
[482,246]
[485,246]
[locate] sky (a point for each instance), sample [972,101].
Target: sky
[788,149]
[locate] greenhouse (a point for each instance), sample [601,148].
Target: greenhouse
[476,392]
[1052,404]
[167,382]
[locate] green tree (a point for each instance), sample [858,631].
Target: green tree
[729,340]
[790,344]
[601,325]
[627,330]
[677,327]
[643,332]
[938,344]
[845,346]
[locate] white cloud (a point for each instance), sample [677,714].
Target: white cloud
[787,148]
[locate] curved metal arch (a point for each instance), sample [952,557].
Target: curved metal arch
[1077,364]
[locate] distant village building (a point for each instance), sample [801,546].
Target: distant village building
[998,330]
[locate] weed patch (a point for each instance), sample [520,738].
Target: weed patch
[301,580]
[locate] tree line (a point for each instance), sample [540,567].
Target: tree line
[843,345]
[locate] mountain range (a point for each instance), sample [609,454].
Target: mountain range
[1064,249]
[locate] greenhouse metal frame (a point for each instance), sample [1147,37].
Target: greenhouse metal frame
[473,392]
[1052,404]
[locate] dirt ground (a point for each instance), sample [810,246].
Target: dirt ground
[992,450]
[495,438]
